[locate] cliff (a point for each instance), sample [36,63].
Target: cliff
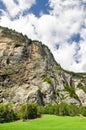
[29,74]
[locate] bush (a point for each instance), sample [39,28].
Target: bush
[29,111]
[62,109]
[7,114]
[82,111]
[49,109]
[73,110]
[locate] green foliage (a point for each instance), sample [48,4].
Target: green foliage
[82,110]
[57,68]
[56,92]
[63,109]
[7,114]
[80,75]
[48,80]
[49,109]
[68,110]
[29,111]
[32,111]
[80,85]
[8,72]
[71,91]
[77,75]
[12,34]
[73,110]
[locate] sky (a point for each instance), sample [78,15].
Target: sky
[59,24]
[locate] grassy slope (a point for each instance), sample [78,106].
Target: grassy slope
[48,122]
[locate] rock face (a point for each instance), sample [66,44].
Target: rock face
[29,74]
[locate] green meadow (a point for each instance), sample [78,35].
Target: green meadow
[47,122]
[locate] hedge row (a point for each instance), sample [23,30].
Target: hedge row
[32,111]
[63,110]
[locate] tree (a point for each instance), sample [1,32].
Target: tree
[29,111]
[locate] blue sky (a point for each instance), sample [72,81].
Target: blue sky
[59,24]
[36,9]
[2,6]
[40,6]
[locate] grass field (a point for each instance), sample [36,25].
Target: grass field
[48,122]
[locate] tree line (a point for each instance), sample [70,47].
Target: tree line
[32,111]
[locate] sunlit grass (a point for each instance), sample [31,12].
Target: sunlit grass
[48,122]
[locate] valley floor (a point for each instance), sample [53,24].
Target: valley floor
[47,122]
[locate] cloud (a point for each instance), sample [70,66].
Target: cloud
[63,30]
[14,7]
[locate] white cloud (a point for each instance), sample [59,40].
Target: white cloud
[66,18]
[13,8]
[65,55]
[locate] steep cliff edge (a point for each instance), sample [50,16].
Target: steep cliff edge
[29,74]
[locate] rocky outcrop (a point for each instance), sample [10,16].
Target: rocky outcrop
[29,74]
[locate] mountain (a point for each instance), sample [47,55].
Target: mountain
[29,74]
